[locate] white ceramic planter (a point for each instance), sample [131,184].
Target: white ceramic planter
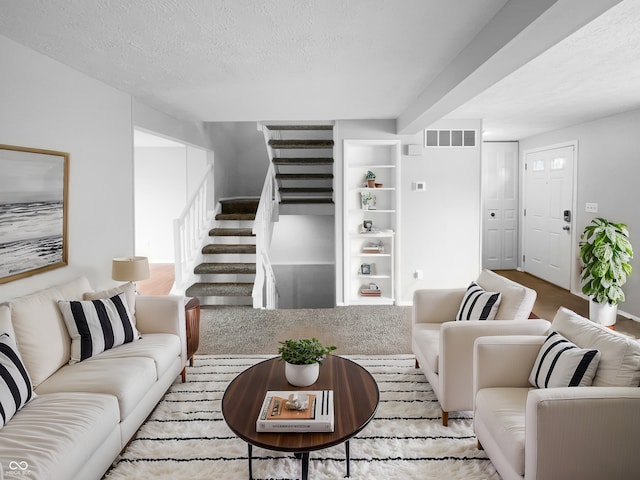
[603,313]
[301,375]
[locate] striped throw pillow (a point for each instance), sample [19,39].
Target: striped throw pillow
[561,363]
[479,304]
[15,384]
[97,325]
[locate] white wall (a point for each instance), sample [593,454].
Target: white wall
[439,228]
[45,104]
[608,173]
[160,197]
[197,164]
[156,122]
[241,158]
[201,151]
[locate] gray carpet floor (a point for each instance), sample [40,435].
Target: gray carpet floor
[354,330]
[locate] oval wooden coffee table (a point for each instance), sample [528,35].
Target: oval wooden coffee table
[356,397]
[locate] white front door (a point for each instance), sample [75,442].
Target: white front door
[548,216]
[500,211]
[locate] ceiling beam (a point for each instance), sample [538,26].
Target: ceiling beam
[519,32]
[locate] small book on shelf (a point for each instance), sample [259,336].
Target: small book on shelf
[296,411]
[368,292]
[373,247]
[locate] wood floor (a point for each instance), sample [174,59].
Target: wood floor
[550,297]
[160,280]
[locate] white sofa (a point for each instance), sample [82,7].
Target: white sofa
[444,348]
[83,414]
[587,432]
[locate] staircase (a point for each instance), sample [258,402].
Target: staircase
[235,263]
[302,156]
[229,267]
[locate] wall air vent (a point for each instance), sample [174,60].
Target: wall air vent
[449,138]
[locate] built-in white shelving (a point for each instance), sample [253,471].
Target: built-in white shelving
[363,265]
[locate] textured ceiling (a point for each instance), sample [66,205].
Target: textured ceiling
[252,60]
[591,74]
[227,60]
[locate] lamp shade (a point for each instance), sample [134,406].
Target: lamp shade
[130,269]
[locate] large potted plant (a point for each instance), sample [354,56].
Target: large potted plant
[303,358]
[605,252]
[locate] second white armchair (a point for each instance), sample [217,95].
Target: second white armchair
[557,432]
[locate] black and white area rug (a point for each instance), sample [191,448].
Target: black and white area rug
[186,436]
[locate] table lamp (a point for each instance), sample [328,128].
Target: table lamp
[130,269]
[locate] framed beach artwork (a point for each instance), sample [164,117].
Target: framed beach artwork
[33,211]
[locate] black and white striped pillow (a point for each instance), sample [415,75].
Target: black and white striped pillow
[561,363]
[479,304]
[15,384]
[97,325]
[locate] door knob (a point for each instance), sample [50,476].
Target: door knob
[566,227]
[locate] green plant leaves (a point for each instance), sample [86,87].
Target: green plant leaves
[605,251]
[304,351]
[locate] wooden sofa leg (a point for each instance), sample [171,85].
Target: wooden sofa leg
[445,418]
[417,363]
[184,374]
[480,447]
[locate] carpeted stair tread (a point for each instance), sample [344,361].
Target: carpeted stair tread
[304,176]
[222,248]
[300,127]
[225,267]
[221,289]
[302,201]
[236,216]
[306,190]
[303,161]
[239,205]
[231,232]
[303,144]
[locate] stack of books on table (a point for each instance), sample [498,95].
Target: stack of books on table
[296,411]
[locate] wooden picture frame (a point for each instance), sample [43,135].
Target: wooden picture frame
[33,211]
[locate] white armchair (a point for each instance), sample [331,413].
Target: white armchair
[588,433]
[444,348]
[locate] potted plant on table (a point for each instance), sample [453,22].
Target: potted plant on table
[303,358]
[371,179]
[605,251]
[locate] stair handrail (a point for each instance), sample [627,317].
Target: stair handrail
[265,291]
[191,228]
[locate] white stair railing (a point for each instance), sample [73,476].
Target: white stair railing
[265,293]
[190,230]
